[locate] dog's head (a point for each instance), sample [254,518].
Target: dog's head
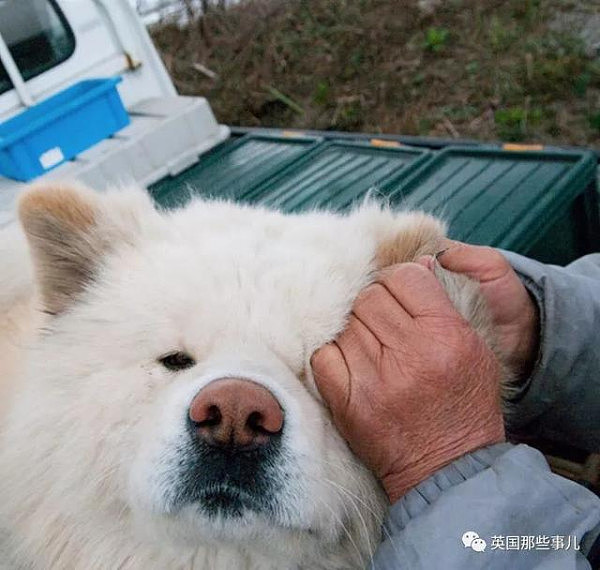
[171,389]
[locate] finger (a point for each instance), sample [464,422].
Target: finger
[359,347]
[364,334]
[417,290]
[331,374]
[479,262]
[381,313]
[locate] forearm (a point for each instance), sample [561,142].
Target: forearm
[501,491]
[561,399]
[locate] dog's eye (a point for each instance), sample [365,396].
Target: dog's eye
[177,361]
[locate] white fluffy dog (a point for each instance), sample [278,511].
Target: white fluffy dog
[117,325]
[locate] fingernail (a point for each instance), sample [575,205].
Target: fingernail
[440,253]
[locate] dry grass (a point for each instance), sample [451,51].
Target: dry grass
[485,69]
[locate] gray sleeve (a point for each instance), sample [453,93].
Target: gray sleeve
[528,517]
[561,400]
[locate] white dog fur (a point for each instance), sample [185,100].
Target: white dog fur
[91,423]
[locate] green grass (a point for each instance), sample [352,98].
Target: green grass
[512,124]
[436,39]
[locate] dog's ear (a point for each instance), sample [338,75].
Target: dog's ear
[70,230]
[406,237]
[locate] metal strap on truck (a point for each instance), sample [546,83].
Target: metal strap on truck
[15,75]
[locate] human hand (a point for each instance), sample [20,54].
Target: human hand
[514,313]
[411,386]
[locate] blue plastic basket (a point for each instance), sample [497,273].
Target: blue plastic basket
[59,128]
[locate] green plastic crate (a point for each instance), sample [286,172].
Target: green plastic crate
[334,176]
[233,169]
[540,203]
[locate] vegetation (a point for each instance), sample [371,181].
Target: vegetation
[491,69]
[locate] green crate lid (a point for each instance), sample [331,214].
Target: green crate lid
[334,175]
[233,169]
[493,197]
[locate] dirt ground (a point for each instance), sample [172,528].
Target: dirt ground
[512,70]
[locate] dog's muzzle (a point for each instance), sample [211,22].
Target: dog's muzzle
[235,428]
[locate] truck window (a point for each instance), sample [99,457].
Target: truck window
[37,34]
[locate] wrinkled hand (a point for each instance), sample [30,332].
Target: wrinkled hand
[411,386]
[515,314]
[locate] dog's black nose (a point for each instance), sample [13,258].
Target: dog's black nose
[235,413]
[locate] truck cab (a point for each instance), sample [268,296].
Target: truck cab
[56,43]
